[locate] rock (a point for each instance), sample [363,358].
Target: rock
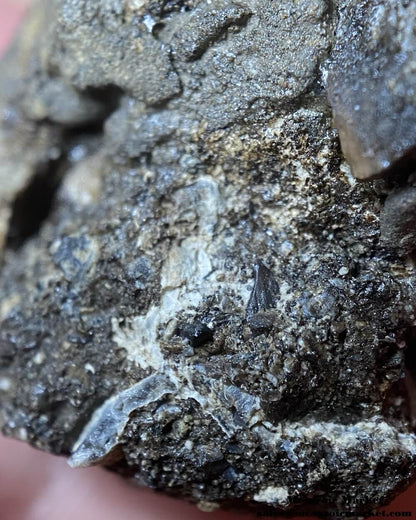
[398,220]
[198,295]
[265,291]
[197,333]
[371,86]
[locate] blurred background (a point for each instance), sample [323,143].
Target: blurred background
[11,11]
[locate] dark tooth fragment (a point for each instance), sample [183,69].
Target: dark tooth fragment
[265,291]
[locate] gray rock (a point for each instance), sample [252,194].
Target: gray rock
[372,85]
[398,220]
[194,290]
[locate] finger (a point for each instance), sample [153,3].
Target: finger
[38,486]
[11,12]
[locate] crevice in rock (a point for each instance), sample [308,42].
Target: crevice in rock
[216,33]
[34,204]
[401,170]
[110,97]
[410,374]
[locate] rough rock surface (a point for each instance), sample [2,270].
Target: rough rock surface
[372,85]
[195,291]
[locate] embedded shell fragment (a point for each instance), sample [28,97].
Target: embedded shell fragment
[195,291]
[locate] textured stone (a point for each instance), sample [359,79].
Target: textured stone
[207,305]
[372,85]
[398,220]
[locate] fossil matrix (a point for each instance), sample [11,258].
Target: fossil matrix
[196,291]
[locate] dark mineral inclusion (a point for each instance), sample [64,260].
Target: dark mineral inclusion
[195,291]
